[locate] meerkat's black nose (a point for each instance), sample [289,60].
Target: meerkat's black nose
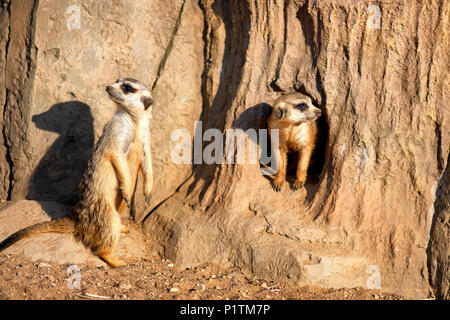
[108,88]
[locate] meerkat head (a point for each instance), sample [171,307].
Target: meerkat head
[130,94]
[295,107]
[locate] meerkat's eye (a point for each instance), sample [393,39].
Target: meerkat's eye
[302,107]
[127,89]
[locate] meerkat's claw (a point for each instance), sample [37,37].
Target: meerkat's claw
[297,186]
[127,202]
[148,199]
[276,187]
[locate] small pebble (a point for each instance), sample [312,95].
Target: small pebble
[124,286]
[43,265]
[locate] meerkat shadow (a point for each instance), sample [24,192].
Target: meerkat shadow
[60,170]
[253,121]
[255,118]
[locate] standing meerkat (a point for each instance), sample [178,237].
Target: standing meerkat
[294,116]
[109,180]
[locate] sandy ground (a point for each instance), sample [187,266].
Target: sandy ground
[146,275]
[152,278]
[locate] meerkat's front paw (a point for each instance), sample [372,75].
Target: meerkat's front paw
[276,185]
[298,184]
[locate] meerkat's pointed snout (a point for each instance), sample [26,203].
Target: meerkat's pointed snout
[318,112]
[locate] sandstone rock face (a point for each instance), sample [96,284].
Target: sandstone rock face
[17,70]
[374,212]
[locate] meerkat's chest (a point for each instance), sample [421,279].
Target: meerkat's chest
[140,140]
[296,136]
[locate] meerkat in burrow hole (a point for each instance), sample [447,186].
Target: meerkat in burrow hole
[294,116]
[109,181]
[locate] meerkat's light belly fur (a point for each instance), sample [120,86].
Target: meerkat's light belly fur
[301,134]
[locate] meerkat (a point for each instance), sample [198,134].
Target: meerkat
[110,178]
[294,116]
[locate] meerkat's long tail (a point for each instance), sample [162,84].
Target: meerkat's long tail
[62,225]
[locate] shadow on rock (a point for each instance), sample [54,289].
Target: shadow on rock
[58,173]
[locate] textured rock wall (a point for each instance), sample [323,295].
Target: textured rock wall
[17,72]
[376,215]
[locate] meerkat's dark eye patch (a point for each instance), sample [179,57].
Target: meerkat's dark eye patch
[302,107]
[127,88]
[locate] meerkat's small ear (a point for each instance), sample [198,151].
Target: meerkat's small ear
[278,113]
[147,101]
